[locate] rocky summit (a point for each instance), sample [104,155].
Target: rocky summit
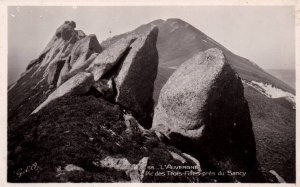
[85,112]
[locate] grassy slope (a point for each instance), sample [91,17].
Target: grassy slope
[79,130]
[26,96]
[274,129]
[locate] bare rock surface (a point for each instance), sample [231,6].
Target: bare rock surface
[69,71]
[185,94]
[109,58]
[116,163]
[88,44]
[203,105]
[134,171]
[57,52]
[135,80]
[82,55]
[71,167]
[66,30]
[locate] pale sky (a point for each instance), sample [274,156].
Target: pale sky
[264,35]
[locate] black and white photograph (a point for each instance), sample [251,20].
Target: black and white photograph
[150,94]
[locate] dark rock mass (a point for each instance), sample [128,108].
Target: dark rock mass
[135,80]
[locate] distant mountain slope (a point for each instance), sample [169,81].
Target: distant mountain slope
[178,41]
[286,75]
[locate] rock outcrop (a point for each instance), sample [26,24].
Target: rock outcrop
[202,105]
[82,55]
[123,73]
[66,31]
[68,53]
[110,58]
[79,84]
[57,52]
[135,80]
[134,171]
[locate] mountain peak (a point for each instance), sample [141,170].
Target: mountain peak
[158,21]
[171,21]
[175,20]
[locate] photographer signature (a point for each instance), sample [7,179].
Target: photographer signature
[21,172]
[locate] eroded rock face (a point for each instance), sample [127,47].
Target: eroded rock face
[203,105]
[110,58]
[79,84]
[69,71]
[68,53]
[135,80]
[57,52]
[123,73]
[82,55]
[88,44]
[66,30]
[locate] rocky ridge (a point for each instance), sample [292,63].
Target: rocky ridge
[116,71]
[83,111]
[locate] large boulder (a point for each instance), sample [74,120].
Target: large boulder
[202,105]
[135,79]
[79,84]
